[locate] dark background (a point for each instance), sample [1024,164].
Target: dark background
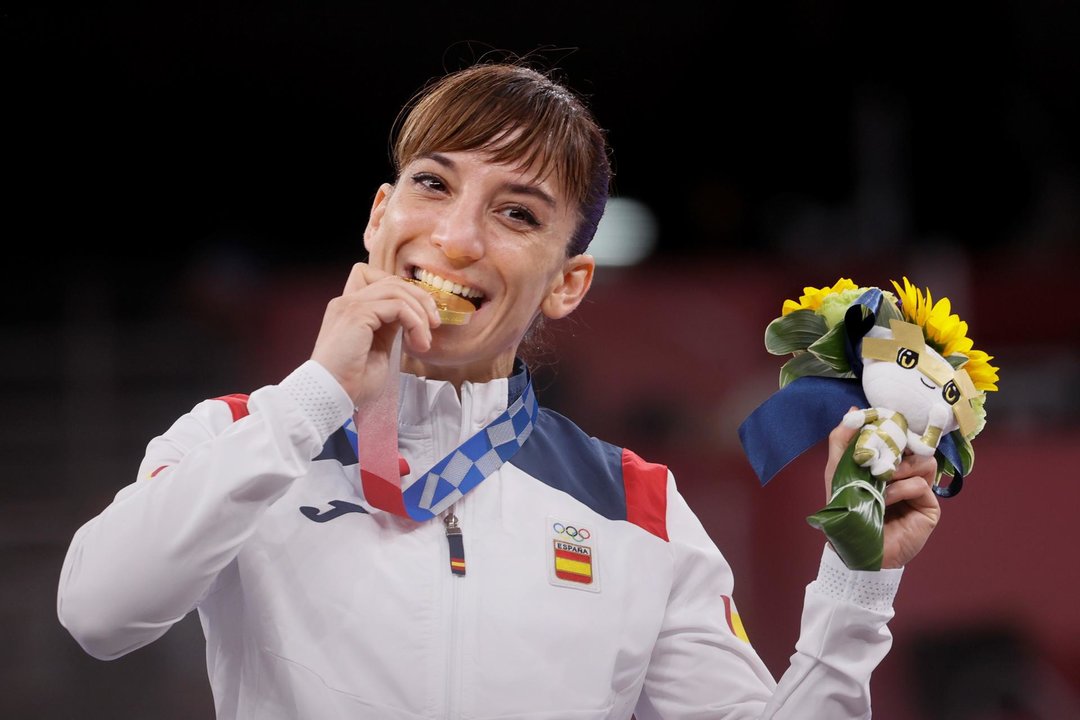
[143,135]
[186,184]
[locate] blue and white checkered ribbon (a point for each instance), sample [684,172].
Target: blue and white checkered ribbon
[474,460]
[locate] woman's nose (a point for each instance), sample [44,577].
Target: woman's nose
[459,232]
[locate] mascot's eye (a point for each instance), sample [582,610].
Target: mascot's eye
[950,392]
[907,359]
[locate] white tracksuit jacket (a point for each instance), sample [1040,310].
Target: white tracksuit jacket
[318,607]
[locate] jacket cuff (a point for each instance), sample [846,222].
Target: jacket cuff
[320,397]
[873,590]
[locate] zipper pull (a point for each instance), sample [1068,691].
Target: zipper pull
[457,545]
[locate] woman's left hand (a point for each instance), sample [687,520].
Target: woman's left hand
[912,509]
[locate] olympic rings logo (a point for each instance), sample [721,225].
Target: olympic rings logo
[579,534]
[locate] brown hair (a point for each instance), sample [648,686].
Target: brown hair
[517,114]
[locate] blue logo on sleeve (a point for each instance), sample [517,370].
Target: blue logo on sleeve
[340,507]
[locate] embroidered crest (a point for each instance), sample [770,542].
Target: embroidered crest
[572,557]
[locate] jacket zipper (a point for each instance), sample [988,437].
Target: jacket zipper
[456,542]
[457,568]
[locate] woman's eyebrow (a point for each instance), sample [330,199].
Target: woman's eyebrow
[533,191]
[441,159]
[518,188]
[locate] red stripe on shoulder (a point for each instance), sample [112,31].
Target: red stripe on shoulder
[645,484]
[237,403]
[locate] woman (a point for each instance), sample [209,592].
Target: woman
[533,571]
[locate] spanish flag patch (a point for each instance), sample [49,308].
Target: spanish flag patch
[573,563]
[733,620]
[571,555]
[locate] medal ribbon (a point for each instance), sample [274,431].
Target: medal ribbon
[373,434]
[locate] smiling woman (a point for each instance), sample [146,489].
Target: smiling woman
[460,219]
[399,529]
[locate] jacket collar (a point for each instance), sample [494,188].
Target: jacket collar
[423,400]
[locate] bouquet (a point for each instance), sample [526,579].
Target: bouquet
[908,367]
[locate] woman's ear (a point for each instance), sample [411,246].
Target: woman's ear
[378,209]
[569,287]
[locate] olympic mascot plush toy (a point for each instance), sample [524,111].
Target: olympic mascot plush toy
[906,365]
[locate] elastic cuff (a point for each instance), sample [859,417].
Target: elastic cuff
[320,396]
[873,590]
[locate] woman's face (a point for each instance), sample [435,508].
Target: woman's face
[497,233]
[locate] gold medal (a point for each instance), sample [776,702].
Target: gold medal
[453,309]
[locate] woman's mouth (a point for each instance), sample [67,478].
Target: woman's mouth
[429,278]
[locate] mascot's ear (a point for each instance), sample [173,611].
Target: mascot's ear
[858,320]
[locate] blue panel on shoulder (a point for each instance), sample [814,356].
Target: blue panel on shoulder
[338,448]
[560,455]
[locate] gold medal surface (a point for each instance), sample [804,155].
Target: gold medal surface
[453,309]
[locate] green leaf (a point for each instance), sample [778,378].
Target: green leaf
[794,331]
[804,364]
[829,349]
[967,458]
[944,467]
[853,520]
[967,452]
[887,311]
[957,359]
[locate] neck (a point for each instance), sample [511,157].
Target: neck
[456,375]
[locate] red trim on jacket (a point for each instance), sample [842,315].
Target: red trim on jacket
[645,484]
[237,403]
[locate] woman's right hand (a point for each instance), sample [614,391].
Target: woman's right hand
[359,327]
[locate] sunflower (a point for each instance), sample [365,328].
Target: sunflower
[946,333]
[813,297]
[982,373]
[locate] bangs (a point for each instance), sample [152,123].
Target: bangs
[521,122]
[517,116]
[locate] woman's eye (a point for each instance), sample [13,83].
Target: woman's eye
[521,214]
[907,359]
[950,392]
[432,182]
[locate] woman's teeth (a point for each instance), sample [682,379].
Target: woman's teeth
[446,286]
